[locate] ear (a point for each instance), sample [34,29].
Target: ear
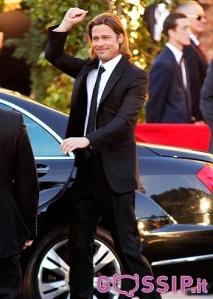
[120,38]
[171,33]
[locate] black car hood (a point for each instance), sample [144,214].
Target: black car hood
[167,151]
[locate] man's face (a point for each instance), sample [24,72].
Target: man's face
[105,42]
[180,34]
[197,19]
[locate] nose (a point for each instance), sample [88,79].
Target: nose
[203,19]
[99,42]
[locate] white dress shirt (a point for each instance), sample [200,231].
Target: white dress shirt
[178,56]
[194,39]
[91,79]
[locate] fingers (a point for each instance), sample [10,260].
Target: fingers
[76,13]
[83,15]
[68,145]
[73,16]
[27,244]
[72,143]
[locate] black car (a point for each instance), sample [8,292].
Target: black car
[174,209]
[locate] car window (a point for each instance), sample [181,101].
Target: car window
[147,208]
[43,143]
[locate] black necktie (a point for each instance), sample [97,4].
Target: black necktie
[93,105]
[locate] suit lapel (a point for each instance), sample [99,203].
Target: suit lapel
[175,65]
[200,53]
[180,78]
[115,76]
[80,81]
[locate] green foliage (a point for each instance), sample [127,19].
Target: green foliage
[49,86]
[1,5]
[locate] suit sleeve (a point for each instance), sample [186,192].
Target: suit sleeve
[25,180]
[126,117]
[54,53]
[206,103]
[160,78]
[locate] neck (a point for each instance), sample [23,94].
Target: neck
[176,45]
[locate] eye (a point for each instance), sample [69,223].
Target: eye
[106,37]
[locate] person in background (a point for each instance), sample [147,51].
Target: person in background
[18,200]
[206,102]
[108,94]
[14,72]
[169,92]
[194,56]
[154,15]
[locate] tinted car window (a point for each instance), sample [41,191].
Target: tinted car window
[43,143]
[147,208]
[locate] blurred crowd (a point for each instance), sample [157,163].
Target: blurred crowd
[180,88]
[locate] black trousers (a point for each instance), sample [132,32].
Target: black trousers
[10,278]
[92,198]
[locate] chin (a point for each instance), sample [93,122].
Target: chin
[104,58]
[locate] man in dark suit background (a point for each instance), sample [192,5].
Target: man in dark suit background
[169,92]
[206,102]
[18,200]
[108,94]
[195,59]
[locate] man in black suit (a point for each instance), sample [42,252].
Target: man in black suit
[18,200]
[195,59]
[108,94]
[206,102]
[169,92]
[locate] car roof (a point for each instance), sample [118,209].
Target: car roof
[53,118]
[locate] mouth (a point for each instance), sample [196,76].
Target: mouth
[101,50]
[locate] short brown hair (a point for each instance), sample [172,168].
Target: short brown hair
[114,22]
[171,21]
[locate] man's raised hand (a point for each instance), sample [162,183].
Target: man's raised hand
[73,16]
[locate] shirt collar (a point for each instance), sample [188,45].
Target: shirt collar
[177,53]
[194,39]
[111,64]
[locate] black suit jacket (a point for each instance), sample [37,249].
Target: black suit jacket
[206,103]
[197,67]
[169,101]
[120,104]
[18,185]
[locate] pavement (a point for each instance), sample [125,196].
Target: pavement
[180,295]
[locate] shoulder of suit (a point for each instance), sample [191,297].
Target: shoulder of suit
[135,69]
[164,60]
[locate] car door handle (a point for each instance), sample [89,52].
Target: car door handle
[42,169]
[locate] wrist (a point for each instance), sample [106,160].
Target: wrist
[87,141]
[63,28]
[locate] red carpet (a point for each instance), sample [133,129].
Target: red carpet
[181,135]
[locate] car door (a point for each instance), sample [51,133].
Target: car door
[174,249]
[53,167]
